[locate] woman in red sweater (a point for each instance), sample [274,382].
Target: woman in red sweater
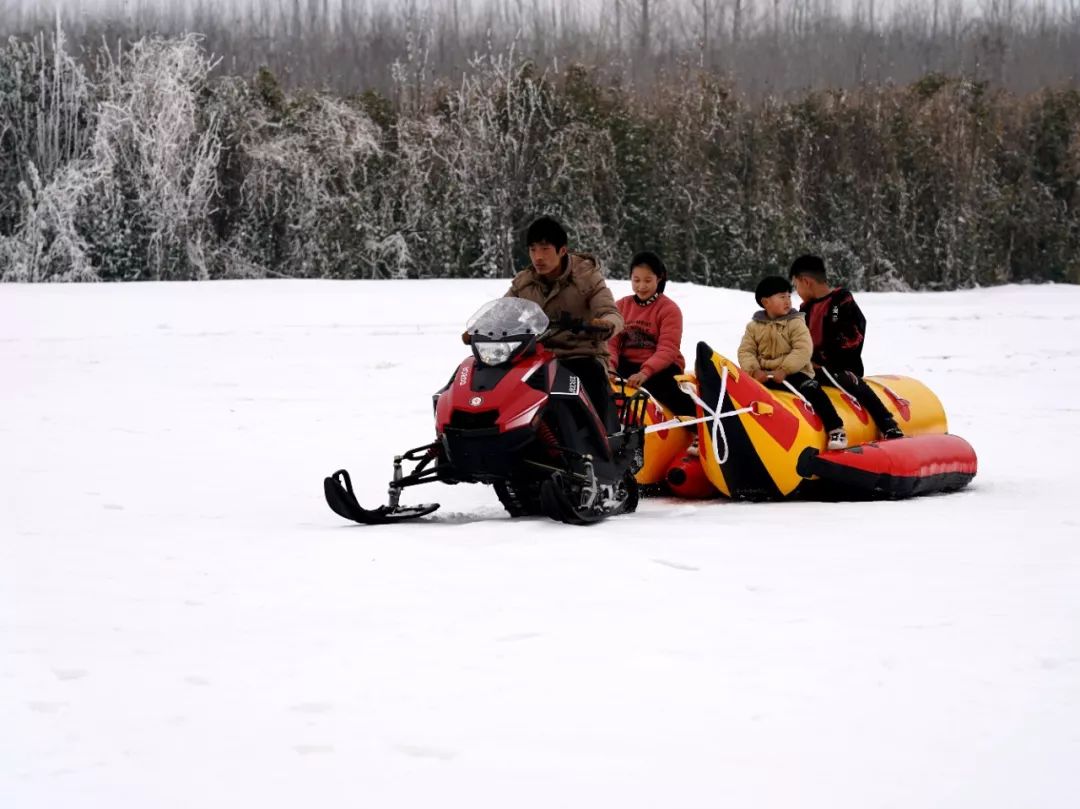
[646,352]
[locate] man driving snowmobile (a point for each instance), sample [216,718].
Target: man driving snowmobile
[570,288]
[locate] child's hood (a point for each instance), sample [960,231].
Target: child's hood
[761,317]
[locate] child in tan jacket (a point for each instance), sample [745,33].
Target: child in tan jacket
[777,347]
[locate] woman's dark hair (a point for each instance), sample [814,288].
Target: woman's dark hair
[548,230]
[653,262]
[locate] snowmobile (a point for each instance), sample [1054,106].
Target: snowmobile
[512,416]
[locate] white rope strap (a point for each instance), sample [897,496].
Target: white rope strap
[851,399]
[798,393]
[715,416]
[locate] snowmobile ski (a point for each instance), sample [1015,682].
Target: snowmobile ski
[339,496]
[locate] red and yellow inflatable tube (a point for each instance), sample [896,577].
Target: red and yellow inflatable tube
[755,454]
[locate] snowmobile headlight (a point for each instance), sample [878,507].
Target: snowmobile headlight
[495,353]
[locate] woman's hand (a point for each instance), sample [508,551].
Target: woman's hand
[760,376]
[779,375]
[636,380]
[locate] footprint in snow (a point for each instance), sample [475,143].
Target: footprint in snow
[313,749]
[313,707]
[46,707]
[676,565]
[69,674]
[417,751]
[519,636]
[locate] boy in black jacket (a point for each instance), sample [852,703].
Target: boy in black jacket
[838,327]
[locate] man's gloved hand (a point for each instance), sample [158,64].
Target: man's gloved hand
[466,338]
[602,328]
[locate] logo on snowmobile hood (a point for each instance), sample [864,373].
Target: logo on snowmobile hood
[463,377]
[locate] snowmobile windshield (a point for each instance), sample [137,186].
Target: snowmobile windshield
[508,317]
[504,327]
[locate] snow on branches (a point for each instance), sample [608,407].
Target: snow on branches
[137,161]
[130,165]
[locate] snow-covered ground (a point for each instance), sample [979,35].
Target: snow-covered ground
[184,623]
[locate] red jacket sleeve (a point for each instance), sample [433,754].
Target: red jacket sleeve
[668,341]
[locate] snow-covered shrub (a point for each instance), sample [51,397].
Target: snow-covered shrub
[158,155]
[45,124]
[699,204]
[119,180]
[495,154]
[45,113]
[302,185]
[47,245]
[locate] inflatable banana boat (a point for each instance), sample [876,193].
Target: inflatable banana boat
[759,443]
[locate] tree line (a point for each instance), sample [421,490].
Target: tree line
[763,47]
[146,160]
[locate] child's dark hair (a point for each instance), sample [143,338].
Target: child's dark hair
[653,262]
[809,266]
[546,229]
[771,285]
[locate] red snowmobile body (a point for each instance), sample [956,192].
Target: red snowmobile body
[514,417]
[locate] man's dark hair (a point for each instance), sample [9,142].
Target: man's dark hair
[546,229]
[809,266]
[653,262]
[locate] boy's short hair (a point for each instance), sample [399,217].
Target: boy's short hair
[546,229]
[654,263]
[809,266]
[771,285]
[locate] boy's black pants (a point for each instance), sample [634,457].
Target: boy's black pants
[819,400]
[864,395]
[662,386]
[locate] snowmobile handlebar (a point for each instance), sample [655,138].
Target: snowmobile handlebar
[565,322]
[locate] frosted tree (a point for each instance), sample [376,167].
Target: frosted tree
[304,194]
[500,152]
[159,157]
[47,246]
[44,101]
[45,126]
[702,222]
